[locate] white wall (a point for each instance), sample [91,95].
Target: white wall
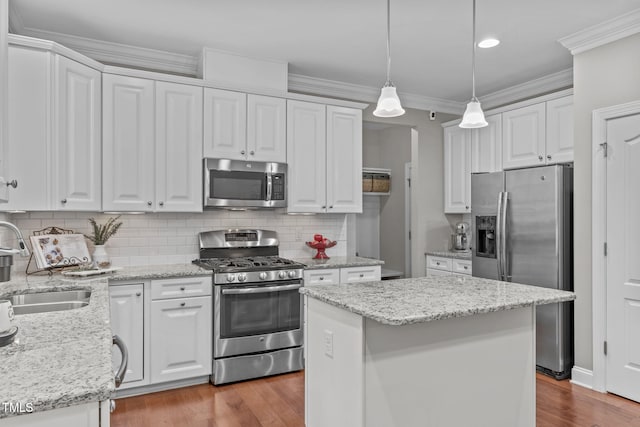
[165,238]
[604,76]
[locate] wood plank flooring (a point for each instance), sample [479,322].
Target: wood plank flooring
[279,402]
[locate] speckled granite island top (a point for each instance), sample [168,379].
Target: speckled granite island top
[59,358]
[338,262]
[407,301]
[151,272]
[450,254]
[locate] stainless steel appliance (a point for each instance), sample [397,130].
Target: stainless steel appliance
[258,318]
[236,184]
[522,226]
[460,240]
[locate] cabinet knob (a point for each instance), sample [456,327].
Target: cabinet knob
[331,207]
[63,201]
[161,204]
[324,207]
[149,203]
[243,152]
[138,294]
[362,275]
[13,183]
[321,278]
[437,263]
[466,268]
[466,207]
[252,152]
[540,158]
[549,156]
[182,304]
[182,288]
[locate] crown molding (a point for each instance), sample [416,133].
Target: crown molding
[549,83]
[116,53]
[325,87]
[603,33]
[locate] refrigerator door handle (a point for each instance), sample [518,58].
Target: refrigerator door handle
[503,232]
[499,238]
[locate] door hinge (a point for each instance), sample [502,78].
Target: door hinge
[605,348]
[605,248]
[409,182]
[409,234]
[605,148]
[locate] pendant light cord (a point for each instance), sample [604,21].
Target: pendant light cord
[388,83]
[473,57]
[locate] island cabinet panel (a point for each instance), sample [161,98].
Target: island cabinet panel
[84,415]
[127,321]
[460,371]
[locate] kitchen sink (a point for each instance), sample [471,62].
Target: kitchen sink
[44,302]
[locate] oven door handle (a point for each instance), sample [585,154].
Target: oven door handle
[259,290]
[269,187]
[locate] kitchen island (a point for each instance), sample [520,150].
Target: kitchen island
[440,351]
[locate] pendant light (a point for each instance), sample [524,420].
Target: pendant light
[473,116]
[388,103]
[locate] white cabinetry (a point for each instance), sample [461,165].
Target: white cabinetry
[444,266]
[486,146]
[127,321]
[151,145]
[93,414]
[324,153]
[243,126]
[334,276]
[181,332]
[55,127]
[457,170]
[560,130]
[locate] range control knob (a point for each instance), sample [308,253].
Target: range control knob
[231,277]
[263,276]
[242,277]
[282,274]
[292,274]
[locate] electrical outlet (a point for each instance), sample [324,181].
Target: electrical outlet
[328,343]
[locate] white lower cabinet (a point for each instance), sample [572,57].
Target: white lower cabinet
[326,276]
[445,266]
[127,321]
[93,414]
[334,276]
[180,338]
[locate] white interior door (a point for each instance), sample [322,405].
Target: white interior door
[623,266]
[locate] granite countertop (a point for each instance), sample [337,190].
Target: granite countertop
[338,262]
[150,272]
[408,301]
[59,358]
[450,254]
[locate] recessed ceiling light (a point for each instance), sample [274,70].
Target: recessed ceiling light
[487,43]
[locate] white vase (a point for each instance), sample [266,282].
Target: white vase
[101,257]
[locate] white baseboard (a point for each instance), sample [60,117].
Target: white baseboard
[582,377]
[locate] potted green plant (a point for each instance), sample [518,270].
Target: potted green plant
[101,234]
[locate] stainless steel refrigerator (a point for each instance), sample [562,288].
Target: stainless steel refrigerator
[523,233]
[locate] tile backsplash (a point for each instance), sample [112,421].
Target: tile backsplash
[167,238]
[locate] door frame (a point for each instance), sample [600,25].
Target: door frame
[599,234]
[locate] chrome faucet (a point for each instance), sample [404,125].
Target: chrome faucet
[24,250]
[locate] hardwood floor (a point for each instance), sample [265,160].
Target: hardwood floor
[279,401]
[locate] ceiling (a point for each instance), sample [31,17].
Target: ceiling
[345,40]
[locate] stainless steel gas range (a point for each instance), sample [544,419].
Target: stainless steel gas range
[258,317]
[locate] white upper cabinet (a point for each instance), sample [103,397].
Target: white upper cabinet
[306,157]
[178,148]
[266,129]
[344,160]
[486,146]
[77,140]
[244,127]
[128,143]
[225,124]
[457,170]
[560,130]
[523,136]
[55,130]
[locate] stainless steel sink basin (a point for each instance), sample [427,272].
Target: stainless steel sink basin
[44,302]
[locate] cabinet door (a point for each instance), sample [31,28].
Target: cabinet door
[560,130]
[29,150]
[457,170]
[77,143]
[128,143]
[523,137]
[225,124]
[306,157]
[127,321]
[344,160]
[178,168]
[181,334]
[325,276]
[360,274]
[266,129]
[486,146]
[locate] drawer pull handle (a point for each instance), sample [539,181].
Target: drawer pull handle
[465,267]
[182,288]
[138,294]
[182,304]
[437,263]
[361,275]
[321,278]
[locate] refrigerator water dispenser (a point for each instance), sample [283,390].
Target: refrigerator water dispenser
[486,236]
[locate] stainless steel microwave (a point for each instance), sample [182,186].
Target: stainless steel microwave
[238,184]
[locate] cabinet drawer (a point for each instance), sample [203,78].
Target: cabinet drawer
[439,263]
[461,266]
[432,272]
[360,274]
[327,276]
[183,287]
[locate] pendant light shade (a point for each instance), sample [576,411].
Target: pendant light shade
[388,102]
[473,116]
